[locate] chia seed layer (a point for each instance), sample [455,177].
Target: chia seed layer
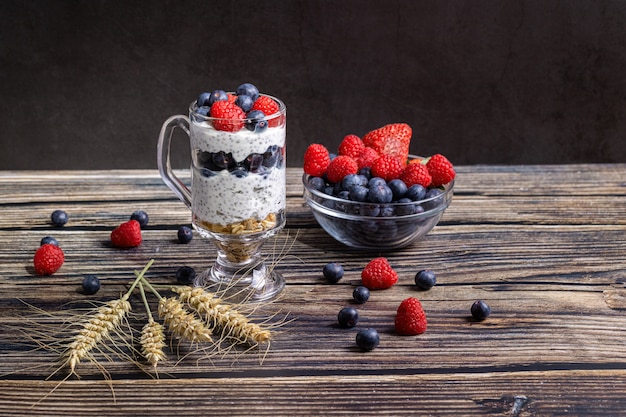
[225,198]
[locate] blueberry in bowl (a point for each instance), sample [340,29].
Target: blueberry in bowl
[375,214]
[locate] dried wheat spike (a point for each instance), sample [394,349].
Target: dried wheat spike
[223,315]
[152,342]
[182,323]
[107,318]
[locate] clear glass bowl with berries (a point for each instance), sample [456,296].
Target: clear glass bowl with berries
[365,211]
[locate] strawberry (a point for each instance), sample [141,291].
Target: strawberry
[416,174]
[387,167]
[316,160]
[392,139]
[48,259]
[378,274]
[127,235]
[232,115]
[367,158]
[268,106]
[440,169]
[341,166]
[410,318]
[351,145]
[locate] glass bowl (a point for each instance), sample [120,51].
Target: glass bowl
[373,226]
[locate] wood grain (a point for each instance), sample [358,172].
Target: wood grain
[543,245]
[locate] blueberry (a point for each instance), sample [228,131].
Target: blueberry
[254,162]
[185,275]
[317,183]
[256,121]
[398,188]
[49,240]
[245,102]
[435,197]
[366,172]
[480,310]
[222,160]
[425,279]
[91,284]
[58,217]
[203,100]
[141,216]
[203,111]
[348,317]
[380,193]
[370,210]
[333,272]
[272,156]
[361,294]
[216,95]
[239,172]
[387,211]
[376,181]
[416,192]
[185,234]
[367,339]
[406,207]
[358,193]
[248,89]
[351,180]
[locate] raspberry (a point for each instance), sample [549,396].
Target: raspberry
[268,106]
[316,160]
[341,166]
[231,97]
[48,259]
[367,158]
[440,169]
[416,174]
[127,235]
[231,116]
[351,145]
[392,139]
[387,167]
[378,274]
[410,317]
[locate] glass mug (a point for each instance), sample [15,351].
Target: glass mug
[237,195]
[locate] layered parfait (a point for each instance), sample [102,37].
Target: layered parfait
[238,161]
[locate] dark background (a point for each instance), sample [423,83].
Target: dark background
[87,84]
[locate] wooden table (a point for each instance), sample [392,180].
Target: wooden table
[544,246]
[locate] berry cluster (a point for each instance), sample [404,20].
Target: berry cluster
[410,318]
[377,171]
[49,257]
[233,111]
[257,163]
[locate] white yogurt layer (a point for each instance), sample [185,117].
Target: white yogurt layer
[241,144]
[224,198]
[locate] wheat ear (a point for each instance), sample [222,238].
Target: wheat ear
[182,323]
[107,318]
[152,339]
[232,323]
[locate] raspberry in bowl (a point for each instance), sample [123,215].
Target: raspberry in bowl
[386,203]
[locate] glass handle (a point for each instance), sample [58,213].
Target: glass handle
[163,157]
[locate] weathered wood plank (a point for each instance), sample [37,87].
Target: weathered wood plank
[512,394]
[543,245]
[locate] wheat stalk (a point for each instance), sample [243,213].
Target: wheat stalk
[107,318]
[214,310]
